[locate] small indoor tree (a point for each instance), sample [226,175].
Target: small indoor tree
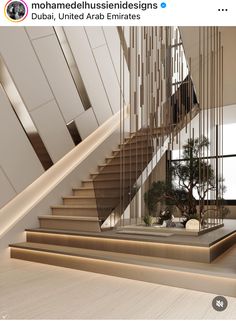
[191,176]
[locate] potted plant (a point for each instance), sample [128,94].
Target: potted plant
[148,220]
[192,175]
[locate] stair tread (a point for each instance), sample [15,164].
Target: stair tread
[87,197]
[112,235]
[135,145]
[62,206]
[117,257]
[138,149]
[131,147]
[69,217]
[127,156]
[104,180]
[139,160]
[139,152]
[114,172]
[61,231]
[119,235]
[91,188]
[137,139]
[82,188]
[118,164]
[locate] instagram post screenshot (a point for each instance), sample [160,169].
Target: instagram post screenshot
[118,160]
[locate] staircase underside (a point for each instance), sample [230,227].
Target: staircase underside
[179,261]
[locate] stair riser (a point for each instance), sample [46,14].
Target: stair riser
[70,225]
[75,212]
[137,143]
[82,193]
[133,144]
[89,201]
[80,201]
[138,139]
[88,184]
[117,168]
[130,159]
[132,152]
[203,283]
[102,193]
[116,176]
[105,184]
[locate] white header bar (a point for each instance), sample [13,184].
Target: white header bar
[117,13]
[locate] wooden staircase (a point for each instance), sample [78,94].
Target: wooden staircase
[72,237]
[90,205]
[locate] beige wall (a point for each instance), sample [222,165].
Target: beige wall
[190,38]
[19,164]
[38,68]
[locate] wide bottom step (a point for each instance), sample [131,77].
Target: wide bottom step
[155,270]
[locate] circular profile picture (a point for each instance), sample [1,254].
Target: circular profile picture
[16,10]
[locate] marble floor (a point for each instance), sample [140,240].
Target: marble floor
[36,291]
